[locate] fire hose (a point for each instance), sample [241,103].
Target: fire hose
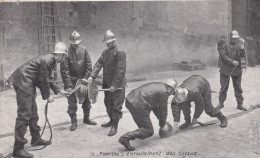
[235,115]
[49,125]
[92,88]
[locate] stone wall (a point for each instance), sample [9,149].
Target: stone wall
[151,33]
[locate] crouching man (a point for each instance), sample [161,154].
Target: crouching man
[140,102]
[194,89]
[34,73]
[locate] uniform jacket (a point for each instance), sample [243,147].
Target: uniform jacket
[230,53]
[79,63]
[151,96]
[220,45]
[113,63]
[36,73]
[196,86]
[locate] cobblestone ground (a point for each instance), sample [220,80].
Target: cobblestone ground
[240,139]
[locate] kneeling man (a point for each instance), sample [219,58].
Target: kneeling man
[194,89]
[140,102]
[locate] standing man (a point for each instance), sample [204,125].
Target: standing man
[113,63]
[231,66]
[79,66]
[140,102]
[220,47]
[34,73]
[194,89]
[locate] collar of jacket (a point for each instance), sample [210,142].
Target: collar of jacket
[53,58]
[232,43]
[74,49]
[113,49]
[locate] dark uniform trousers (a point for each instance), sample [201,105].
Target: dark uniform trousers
[114,102]
[224,82]
[72,108]
[209,109]
[27,115]
[142,120]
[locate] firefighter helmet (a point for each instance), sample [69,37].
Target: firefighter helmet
[60,47]
[234,34]
[168,132]
[75,38]
[109,37]
[172,82]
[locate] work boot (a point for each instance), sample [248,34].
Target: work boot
[124,139]
[86,120]
[126,144]
[185,125]
[113,129]
[74,124]
[108,124]
[222,119]
[22,154]
[220,106]
[240,107]
[39,141]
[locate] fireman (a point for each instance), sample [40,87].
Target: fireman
[113,62]
[34,73]
[140,102]
[80,67]
[194,89]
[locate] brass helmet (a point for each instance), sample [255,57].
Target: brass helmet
[60,48]
[109,37]
[75,38]
[168,132]
[172,82]
[234,34]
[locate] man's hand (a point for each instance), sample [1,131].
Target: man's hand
[90,79]
[50,99]
[65,93]
[68,89]
[235,63]
[84,81]
[194,121]
[112,89]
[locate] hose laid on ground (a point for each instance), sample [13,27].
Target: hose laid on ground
[46,122]
[235,115]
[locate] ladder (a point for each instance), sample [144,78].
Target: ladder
[49,29]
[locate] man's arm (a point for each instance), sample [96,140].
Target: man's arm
[98,66]
[88,65]
[43,79]
[54,87]
[224,55]
[120,69]
[199,105]
[176,111]
[162,109]
[65,75]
